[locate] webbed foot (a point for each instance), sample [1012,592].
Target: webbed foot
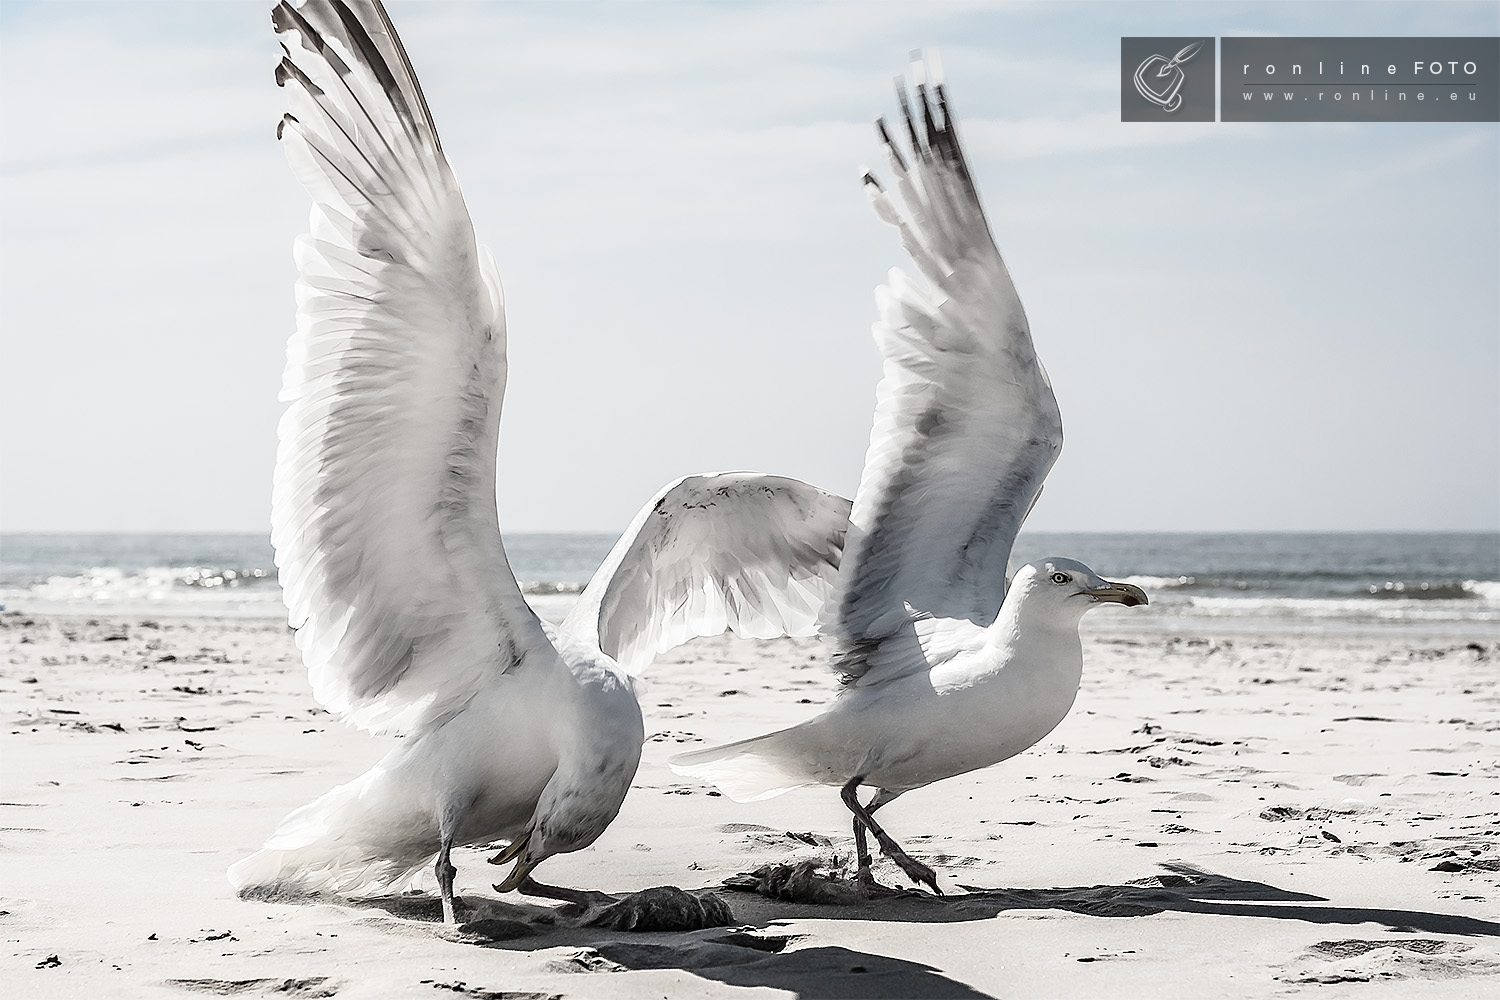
[914,869]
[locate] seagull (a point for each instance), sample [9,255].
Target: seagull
[945,668]
[387,538]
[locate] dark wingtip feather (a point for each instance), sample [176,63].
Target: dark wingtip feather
[281,17]
[288,70]
[890,144]
[360,39]
[953,150]
[281,125]
[929,124]
[911,125]
[947,141]
[345,26]
[285,17]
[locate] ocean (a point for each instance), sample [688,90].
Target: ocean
[1447,582]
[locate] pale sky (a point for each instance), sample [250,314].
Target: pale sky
[1248,326]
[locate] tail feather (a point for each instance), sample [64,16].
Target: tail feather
[749,770]
[315,870]
[349,842]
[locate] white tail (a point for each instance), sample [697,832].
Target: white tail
[352,841]
[746,771]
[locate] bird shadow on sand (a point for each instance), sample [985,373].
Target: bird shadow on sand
[761,951]
[558,940]
[1180,888]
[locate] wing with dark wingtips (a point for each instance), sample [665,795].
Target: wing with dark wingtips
[966,425]
[383,512]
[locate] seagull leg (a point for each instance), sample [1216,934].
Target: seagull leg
[862,847]
[914,869]
[447,829]
[862,853]
[862,850]
[445,873]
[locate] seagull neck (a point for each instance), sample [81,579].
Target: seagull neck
[604,701]
[1021,620]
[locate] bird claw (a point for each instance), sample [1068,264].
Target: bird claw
[914,869]
[871,888]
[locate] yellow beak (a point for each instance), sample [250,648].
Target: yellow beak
[516,852]
[518,875]
[512,851]
[1127,594]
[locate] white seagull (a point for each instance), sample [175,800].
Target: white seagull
[386,533]
[944,669]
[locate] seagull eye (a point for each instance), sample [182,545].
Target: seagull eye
[1060,578]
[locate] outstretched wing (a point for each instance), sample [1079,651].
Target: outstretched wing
[754,554]
[966,426]
[383,512]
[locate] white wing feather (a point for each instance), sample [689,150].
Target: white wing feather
[754,554]
[383,513]
[966,425]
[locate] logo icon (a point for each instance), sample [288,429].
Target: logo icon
[1169,76]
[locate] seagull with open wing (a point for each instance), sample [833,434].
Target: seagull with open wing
[385,526]
[946,668]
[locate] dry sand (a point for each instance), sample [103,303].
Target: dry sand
[1246,816]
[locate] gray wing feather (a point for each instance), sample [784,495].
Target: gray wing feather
[383,509]
[755,554]
[966,426]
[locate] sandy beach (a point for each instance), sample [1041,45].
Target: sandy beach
[1245,815]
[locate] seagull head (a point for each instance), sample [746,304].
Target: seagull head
[1070,588]
[585,792]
